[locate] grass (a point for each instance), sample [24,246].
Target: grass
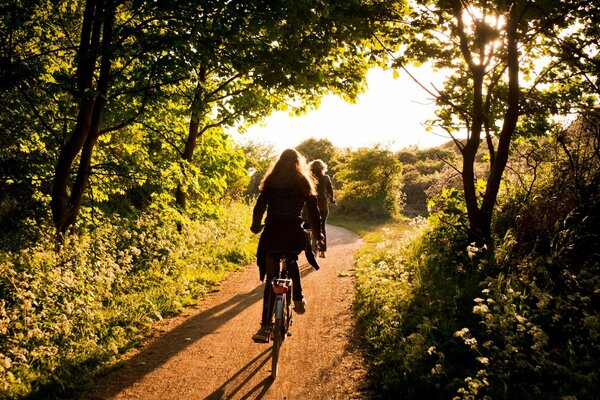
[66,315]
[372,230]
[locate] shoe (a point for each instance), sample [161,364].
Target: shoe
[322,254]
[263,334]
[300,306]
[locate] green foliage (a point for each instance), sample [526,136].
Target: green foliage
[540,320]
[319,149]
[412,293]
[449,208]
[520,320]
[259,157]
[166,65]
[371,180]
[421,169]
[220,173]
[510,68]
[67,314]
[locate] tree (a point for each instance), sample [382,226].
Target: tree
[78,71]
[490,48]
[27,103]
[321,149]
[81,74]
[259,156]
[251,59]
[371,177]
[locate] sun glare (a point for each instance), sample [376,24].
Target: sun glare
[391,112]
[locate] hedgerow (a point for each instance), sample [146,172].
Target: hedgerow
[68,313]
[444,319]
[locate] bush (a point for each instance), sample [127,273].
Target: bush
[540,327]
[422,170]
[371,180]
[412,294]
[519,321]
[67,314]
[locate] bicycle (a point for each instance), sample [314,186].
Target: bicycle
[314,243]
[282,310]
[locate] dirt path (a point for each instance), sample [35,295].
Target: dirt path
[208,353]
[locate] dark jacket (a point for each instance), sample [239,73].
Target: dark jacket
[324,189]
[283,230]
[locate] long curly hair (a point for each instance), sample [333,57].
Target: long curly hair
[318,167]
[290,172]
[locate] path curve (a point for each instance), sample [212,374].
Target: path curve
[207,353]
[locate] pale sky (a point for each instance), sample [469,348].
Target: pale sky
[390,112]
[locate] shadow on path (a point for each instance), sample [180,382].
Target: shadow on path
[184,335]
[175,341]
[237,382]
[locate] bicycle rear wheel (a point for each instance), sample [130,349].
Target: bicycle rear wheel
[278,334]
[313,243]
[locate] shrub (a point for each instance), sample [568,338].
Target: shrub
[67,314]
[517,321]
[371,179]
[411,296]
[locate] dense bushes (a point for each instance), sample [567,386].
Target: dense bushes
[371,180]
[421,171]
[438,324]
[68,313]
[518,321]
[412,295]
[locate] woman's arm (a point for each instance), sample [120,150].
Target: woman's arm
[329,188]
[314,216]
[259,210]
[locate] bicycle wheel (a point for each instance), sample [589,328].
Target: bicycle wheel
[313,244]
[288,311]
[278,332]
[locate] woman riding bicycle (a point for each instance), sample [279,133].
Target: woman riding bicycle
[284,190]
[324,196]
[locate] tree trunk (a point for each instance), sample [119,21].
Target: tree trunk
[190,146]
[480,217]
[98,19]
[68,152]
[509,124]
[197,110]
[470,152]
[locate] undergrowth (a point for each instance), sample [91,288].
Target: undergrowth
[68,314]
[446,320]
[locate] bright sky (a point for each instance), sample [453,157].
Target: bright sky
[390,112]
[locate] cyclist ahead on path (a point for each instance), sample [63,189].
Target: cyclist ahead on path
[325,196]
[285,189]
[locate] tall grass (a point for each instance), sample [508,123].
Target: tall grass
[446,320]
[66,314]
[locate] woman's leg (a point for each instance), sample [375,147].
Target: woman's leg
[324,210]
[294,272]
[297,295]
[272,267]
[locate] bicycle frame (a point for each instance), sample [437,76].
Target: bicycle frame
[282,287]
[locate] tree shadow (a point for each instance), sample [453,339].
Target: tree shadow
[172,343]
